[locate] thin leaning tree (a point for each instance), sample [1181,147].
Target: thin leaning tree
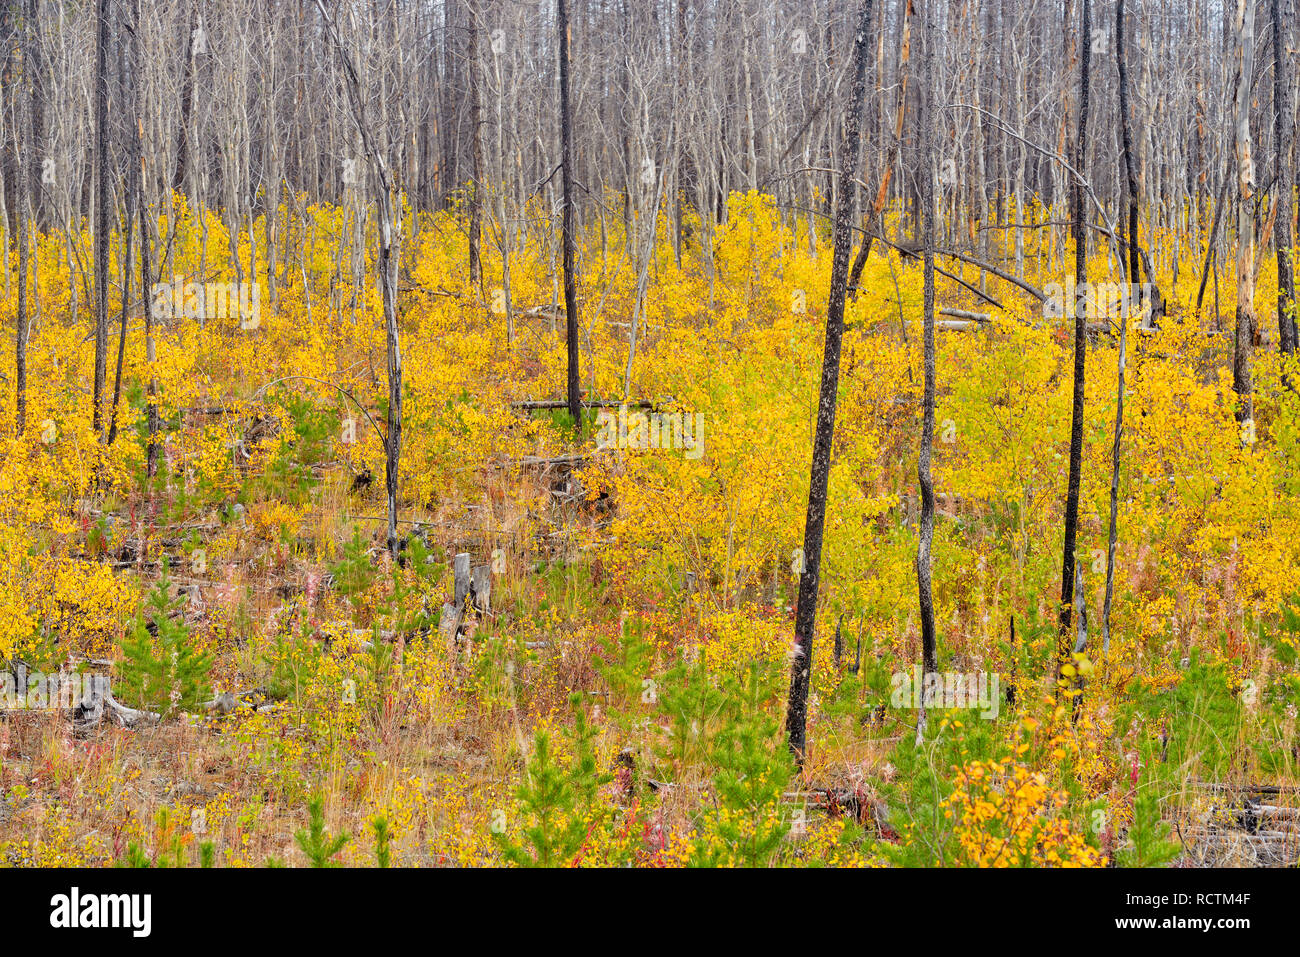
[796,716]
[390,229]
[132,80]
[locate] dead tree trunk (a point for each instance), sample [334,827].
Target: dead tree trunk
[1131,196]
[389,235]
[26,191]
[1241,352]
[101,213]
[1210,250]
[796,714]
[476,190]
[20,334]
[390,228]
[1080,344]
[187,107]
[1283,17]
[570,247]
[147,223]
[133,171]
[37,67]
[150,347]
[126,303]
[929,652]
[871,221]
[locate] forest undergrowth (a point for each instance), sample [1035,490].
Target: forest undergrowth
[618,699]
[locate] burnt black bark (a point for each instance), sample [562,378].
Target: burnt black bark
[1283,17]
[570,245]
[925,481]
[796,715]
[1131,197]
[101,212]
[1080,344]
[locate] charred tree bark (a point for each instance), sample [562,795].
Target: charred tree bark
[1245,325]
[36,66]
[570,243]
[1080,344]
[1283,17]
[187,108]
[101,213]
[1210,249]
[126,301]
[796,714]
[132,191]
[20,334]
[150,347]
[1131,197]
[925,480]
[389,235]
[22,197]
[147,223]
[475,196]
[390,229]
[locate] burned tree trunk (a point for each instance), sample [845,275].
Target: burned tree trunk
[389,235]
[21,325]
[1241,352]
[925,480]
[1131,197]
[126,303]
[570,246]
[390,231]
[150,346]
[476,190]
[26,192]
[101,213]
[187,108]
[1080,344]
[872,220]
[796,715]
[147,222]
[132,191]
[1283,17]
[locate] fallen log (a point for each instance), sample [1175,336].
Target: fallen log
[965,314]
[535,405]
[576,458]
[1250,788]
[222,704]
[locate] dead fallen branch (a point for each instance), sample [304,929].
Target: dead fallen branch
[536,405]
[965,314]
